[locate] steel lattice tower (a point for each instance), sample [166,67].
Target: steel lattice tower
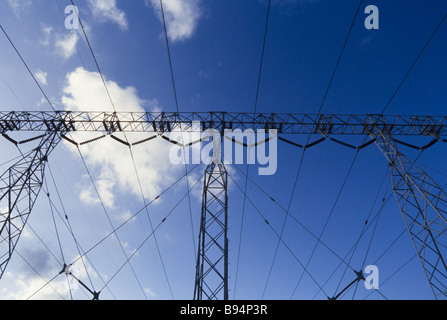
[212,258]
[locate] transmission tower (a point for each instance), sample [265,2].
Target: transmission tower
[421,201]
[212,259]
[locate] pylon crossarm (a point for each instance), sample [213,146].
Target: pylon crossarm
[424,209]
[162,122]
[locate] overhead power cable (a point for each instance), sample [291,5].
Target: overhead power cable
[152,233]
[414,63]
[27,68]
[297,221]
[66,222]
[250,142]
[277,235]
[130,149]
[110,221]
[131,218]
[178,110]
[308,139]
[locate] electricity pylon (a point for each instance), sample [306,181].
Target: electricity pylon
[421,201]
[423,204]
[212,259]
[19,187]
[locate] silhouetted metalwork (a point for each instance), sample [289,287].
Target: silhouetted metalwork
[422,202]
[212,259]
[20,186]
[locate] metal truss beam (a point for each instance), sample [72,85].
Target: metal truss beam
[422,202]
[19,188]
[423,205]
[212,259]
[171,121]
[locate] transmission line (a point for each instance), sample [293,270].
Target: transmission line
[86,252]
[367,224]
[130,150]
[298,222]
[308,139]
[277,235]
[27,68]
[247,170]
[414,63]
[67,223]
[109,220]
[151,234]
[178,110]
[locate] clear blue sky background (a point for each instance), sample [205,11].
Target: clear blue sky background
[216,68]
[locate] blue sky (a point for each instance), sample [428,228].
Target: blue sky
[216,51]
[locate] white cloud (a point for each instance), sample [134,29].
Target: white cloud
[24,282]
[47,30]
[107,10]
[181,17]
[25,288]
[126,216]
[112,164]
[19,6]
[66,44]
[149,292]
[41,77]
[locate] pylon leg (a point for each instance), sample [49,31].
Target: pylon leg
[423,205]
[19,188]
[212,259]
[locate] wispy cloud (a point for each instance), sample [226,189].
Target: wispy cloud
[41,76]
[107,10]
[66,44]
[47,31]
[182,17]
[19,6]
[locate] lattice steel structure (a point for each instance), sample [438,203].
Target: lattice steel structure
[422,202]
[212,259]
[19,187]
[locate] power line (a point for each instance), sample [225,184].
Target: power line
[27,68]
[94,56]
[130,149]
[308,139]
[66,221]
[247,172]
[328,218]
[286,211]
[366,224]
[178,110]
[151,234]
[86,252]
[134,215]
[414,63]
[305,269]
[109,220]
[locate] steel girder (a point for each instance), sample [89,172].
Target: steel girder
[161,122]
